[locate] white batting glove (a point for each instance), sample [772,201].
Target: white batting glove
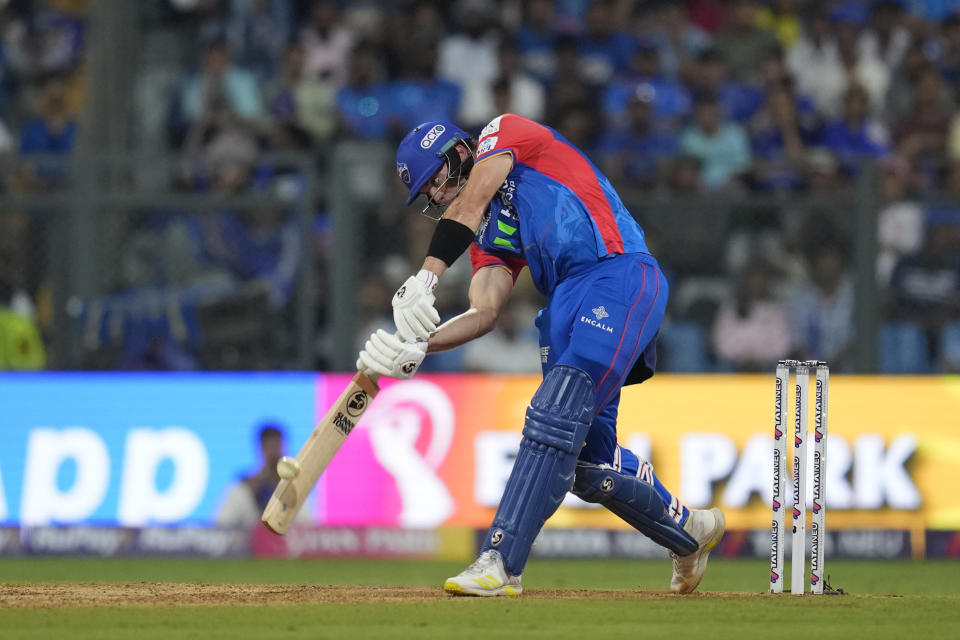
[388,355]
[413,310]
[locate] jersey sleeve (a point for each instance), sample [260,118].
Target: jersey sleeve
[523,139]
[480,259]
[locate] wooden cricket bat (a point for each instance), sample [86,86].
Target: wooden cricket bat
[318,451]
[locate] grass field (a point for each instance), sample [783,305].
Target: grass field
[241,599]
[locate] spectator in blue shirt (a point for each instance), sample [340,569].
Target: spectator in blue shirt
[722,147]
[856,135]
[604,51]
[365,103]
[257,244]
[536,39]
[739,100]
[779,133]
[949,62]
[53,132]
[947,210]
[925,287]
[670,99]
[58,36]
[932,10]
[678,41]
[420,95]
[641,153]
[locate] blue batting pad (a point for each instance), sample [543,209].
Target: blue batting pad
[634,501]
[557,423]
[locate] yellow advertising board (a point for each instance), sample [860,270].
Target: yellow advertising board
[893,452]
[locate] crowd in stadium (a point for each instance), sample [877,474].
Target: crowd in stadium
[704,98]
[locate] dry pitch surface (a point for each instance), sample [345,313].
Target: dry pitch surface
[163,594]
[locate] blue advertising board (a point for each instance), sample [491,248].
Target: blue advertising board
[138,449]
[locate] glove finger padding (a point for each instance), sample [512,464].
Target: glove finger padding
[427,316]
[375,354]
[379,352]
[407,328]
[368,364]
[386,343]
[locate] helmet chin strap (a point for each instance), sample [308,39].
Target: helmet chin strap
[457,169]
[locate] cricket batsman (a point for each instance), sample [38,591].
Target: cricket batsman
[520,196]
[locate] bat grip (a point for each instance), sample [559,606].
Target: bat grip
[368,382]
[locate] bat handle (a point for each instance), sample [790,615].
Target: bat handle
[367,380]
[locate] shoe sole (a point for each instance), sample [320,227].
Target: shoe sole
[704,551]
[457,589]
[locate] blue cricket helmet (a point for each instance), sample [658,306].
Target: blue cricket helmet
[424,150]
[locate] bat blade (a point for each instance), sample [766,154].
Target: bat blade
[317,452]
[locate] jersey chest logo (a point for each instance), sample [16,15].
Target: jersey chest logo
[500,229]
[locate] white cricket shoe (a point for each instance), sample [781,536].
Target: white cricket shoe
[706,527]
[485,577]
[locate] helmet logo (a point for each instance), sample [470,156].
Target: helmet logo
[403,172]
[427,141]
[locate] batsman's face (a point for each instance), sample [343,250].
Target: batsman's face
[441,189]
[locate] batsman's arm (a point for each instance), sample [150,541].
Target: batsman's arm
[485,180]
[413,312]
[490,289]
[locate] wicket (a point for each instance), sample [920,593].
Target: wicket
[801,426]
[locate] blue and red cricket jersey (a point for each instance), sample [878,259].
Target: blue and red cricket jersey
[559,215]
[556,212]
